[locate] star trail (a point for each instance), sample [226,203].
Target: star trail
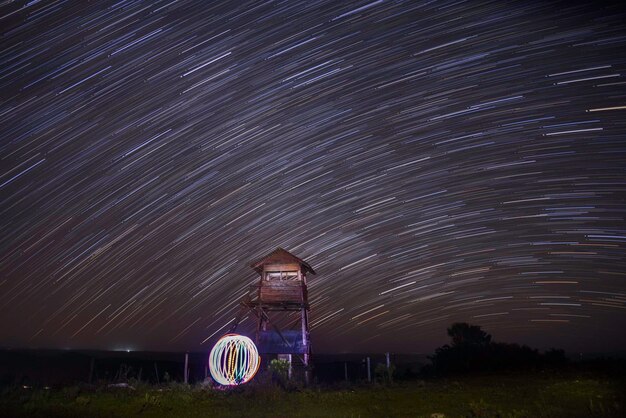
[434,161]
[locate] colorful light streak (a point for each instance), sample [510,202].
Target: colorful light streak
[234,360]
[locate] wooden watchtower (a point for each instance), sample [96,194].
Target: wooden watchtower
[281,291]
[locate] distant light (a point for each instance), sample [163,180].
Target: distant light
[128,350]
[234,360]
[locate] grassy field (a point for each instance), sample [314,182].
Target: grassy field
[485,396]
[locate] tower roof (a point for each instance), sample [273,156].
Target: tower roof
[278,256]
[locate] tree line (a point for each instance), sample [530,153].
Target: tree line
[473,350]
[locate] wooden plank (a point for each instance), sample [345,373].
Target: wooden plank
[281,284]
[280,296]
[282,267]
[289,293]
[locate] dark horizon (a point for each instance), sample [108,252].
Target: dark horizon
[434,162]
[571,355]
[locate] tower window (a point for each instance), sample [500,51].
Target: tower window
[281,275]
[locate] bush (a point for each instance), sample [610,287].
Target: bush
[473,350]
[384,374]
[280,371]
[70,392]
[151,400]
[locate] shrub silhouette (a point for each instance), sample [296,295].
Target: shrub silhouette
[464,334]
[473,350]
[384,374]
[280,371]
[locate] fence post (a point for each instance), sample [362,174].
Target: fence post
[186,367]
[91,370]
[369,372]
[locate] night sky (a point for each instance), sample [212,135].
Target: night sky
[434,161]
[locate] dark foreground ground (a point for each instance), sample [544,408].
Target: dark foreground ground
[531,395]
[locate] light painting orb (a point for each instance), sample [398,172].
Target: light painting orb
[234,360]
